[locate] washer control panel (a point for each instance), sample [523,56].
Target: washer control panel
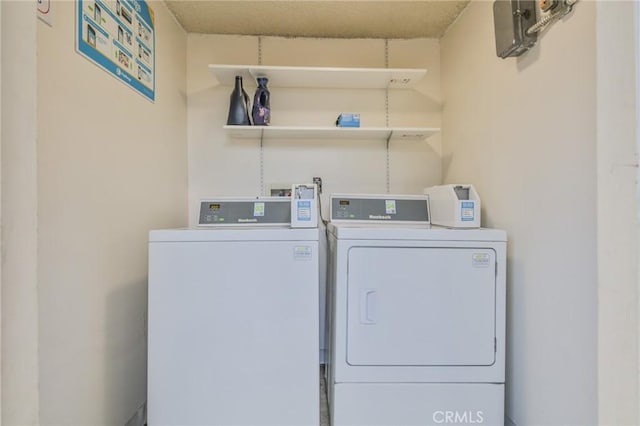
[274,211]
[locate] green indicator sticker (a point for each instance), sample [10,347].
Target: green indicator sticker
[390,206]
[258,209]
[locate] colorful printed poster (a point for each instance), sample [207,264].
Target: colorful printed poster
[119,37]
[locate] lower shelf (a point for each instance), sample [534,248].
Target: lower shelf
[354,133]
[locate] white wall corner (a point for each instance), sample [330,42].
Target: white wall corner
[617,206]
[20,372]
[1,250]
[637,127]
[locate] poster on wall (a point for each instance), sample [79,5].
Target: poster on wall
[119,37]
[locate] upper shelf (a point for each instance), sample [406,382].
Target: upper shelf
[322,77]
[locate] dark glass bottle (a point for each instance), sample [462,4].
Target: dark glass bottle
[261,112]
[239,105]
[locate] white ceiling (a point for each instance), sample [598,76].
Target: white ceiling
[318,18]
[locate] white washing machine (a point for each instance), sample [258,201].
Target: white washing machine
[417,317]
[233,319]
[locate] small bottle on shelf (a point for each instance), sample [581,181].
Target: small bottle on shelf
[261,106]
[239,105]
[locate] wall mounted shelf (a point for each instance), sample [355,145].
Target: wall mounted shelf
[325,77]
[349,133]
[321,77]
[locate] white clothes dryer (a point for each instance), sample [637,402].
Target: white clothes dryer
[417,317]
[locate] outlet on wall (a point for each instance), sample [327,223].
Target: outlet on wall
[318,181]
[279,190]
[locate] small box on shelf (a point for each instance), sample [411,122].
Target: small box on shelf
[348,120]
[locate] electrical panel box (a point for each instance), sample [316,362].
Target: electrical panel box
[512,19]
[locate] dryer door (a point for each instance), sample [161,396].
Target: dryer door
[421,306]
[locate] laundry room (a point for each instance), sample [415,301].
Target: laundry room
[92,163]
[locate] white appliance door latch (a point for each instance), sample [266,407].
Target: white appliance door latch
[368,306]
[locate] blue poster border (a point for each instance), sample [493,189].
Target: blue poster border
[95,56]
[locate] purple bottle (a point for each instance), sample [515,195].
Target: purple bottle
[261,111]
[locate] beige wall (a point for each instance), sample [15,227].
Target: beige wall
[221,166]
[19,208]
[111,166]
[1,251]
[524,132]
[617,213]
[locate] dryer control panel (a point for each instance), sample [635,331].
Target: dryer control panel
[399,209]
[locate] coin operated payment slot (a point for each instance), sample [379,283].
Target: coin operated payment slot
[304,205]
[454,206]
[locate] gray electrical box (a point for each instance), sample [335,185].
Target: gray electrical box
[512,19]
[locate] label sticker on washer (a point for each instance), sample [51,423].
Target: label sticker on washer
[390,206]
[304,210]
[258,209]
[302,253]
[480,260]
[467,213]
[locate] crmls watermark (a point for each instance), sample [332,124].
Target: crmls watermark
[458,417]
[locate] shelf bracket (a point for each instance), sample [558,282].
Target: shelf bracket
[386,115]
[389,163]
[261,130]
[386,92]
[261,162]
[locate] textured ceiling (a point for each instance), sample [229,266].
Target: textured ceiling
[318,18]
